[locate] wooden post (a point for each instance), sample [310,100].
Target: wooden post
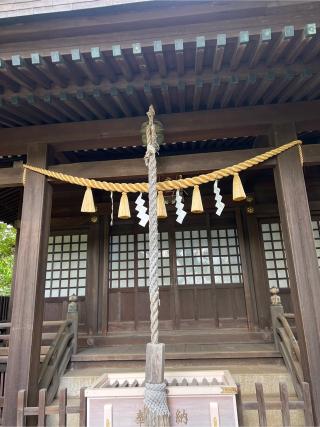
[27,311]
[73,315]
[155,356]
[301,256]
[260,279]
[276,309]
[93,276]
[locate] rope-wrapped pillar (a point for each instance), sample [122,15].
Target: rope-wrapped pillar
[156,408]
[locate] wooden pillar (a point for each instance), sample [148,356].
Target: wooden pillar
[93,276]
[27,311]
[246,273]
[301,256]
[103,275]
[260,279]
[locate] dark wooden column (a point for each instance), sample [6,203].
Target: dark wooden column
[301,256]
[104,274]
[93,276]
[27,310]
[260,279]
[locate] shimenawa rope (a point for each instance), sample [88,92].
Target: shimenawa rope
[176,184]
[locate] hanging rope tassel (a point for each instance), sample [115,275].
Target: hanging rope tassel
[161,206]
[300,154]
[196,206]
[124,209]
[88,202]
[238,193]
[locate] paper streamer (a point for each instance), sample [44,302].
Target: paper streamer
[218,198]
[142,211]
[111,197]
[180,212]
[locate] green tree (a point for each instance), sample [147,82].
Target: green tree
[7,244]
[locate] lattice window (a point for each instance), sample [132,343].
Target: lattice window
[143,259]
[66,265]
[275,255]
[226,256]
[316,235]
[121,264]
[193,261]
[125,267]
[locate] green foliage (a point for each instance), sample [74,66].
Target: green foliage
[7,244]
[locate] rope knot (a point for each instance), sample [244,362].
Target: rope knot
[155,399]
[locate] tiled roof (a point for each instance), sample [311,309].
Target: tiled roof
[12,8]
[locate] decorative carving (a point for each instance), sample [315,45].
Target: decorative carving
[73,304]
[275,298]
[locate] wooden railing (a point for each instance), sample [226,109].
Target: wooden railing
[261,405]
[4,308]
[61,410]
[55,354]
[286,342]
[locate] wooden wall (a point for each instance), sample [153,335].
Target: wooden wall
[100,306]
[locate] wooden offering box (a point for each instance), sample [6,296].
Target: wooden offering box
[196,399]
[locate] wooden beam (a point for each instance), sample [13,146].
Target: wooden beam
[171,79]
[302,40]
[265,83]
[10,177]
[245,89]
[224,16]
[27,313]
[239,50]
[301,257]
[178,47]
[294,87]
[182,96]
[141,62]
[263,42]
[86,65]
[213,93]
[166,98]
[200,52]
[228,93]
[221,123]
[122,62]
[280,44]
[100,59]
[167,165]
[161,62]
[278,87]
[197,94]
[219,52]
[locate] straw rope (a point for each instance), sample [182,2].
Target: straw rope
[176,184]
[151,163]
